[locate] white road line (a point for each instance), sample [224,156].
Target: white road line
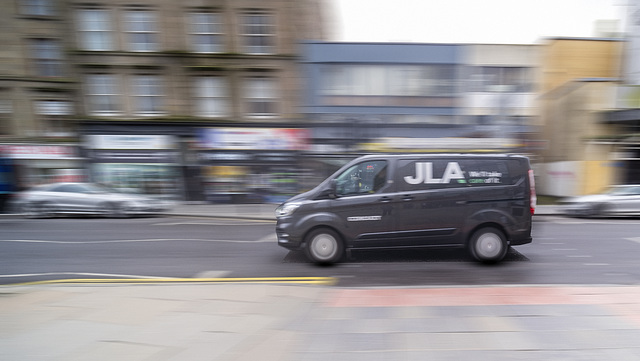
[80,274]
[230,223]
[262,240]
[634,239]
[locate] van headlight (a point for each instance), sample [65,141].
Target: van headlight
[287,209]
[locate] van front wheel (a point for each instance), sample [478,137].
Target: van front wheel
[488,245]
[324,246]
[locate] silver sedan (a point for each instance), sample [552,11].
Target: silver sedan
[84,198]
[623,200]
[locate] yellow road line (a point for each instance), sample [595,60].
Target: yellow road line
[278,280]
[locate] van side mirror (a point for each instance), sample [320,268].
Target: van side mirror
[330,192]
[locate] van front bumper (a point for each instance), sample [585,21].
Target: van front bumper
[286,239]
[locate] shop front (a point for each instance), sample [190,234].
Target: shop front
[145,164]
[252,165]
[36,164]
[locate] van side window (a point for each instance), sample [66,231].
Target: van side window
[363,178]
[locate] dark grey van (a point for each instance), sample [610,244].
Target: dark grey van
[482,202]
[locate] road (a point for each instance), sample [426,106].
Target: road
[564,251]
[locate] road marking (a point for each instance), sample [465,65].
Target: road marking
[327,281]
[579,256]
[596,264]
[634,239]
[262,240]
[76,274]
[564,249]
[230,223]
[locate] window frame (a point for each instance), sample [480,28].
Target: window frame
[214,21]
[47,57]
[269,37]
[213,94]
[111,93]
[256,95]
[148,30]
[152,93]
[95,35]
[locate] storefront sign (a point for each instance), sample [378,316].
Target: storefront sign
[22,151]
[254,138]
[116,156]
[130,142]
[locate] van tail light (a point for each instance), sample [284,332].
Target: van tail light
[533,199]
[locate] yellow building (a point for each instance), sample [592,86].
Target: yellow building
[578,85]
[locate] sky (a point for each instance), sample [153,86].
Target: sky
[470,21]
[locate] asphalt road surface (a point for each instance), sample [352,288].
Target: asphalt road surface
[564,251]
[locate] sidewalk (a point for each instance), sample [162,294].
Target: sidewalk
[269,322]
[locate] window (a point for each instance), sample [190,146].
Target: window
[261,97]
[497,79]
[364,178]
[37,7]
[5,113]
[141,30]
[429,80]
[47,57]
[95,30]
[147,93]
[103,95]
[55,117]
[211,96]
[206,32]
[258,33]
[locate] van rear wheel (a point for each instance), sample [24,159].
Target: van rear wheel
[488,245]
[324,246]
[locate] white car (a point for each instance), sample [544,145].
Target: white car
[84,198]
[623,200]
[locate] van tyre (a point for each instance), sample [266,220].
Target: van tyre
[488,245]
[324,246]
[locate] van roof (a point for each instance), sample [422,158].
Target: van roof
[448,155]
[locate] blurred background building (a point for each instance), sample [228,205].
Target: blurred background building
[249,101]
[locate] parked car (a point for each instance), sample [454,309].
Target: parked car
[84,198]
[623,200]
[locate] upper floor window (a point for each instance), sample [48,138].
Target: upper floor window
[206,32]
[55,116]
[94,26]
[47,57]
[141,30]
[211,96]
[148,95]
[501,79]
[261,97]
[258,32]
[37,7]
[103,95]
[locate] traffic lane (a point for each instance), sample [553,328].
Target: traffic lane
[116,248]
[94,229]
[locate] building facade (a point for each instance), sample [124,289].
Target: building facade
[137,89]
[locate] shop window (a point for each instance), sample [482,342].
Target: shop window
[258,33]
[47,57]
[211,96]
[148,95]
[141,30]
[103,94]
[95,30]
[206,32]
[261,97]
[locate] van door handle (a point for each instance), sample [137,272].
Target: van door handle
[407,198]
[384,200]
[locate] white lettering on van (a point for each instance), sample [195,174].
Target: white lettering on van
[424,173]
[364,218]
